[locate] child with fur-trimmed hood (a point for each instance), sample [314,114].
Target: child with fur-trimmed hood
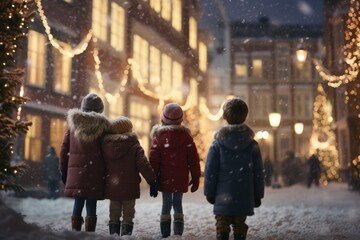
[173,154]
[234,179]
[125,160]
[81,161]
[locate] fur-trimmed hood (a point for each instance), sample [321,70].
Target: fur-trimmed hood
[87,126]
[236,137]
[115,137]
[158,129]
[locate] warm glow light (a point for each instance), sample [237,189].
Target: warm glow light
[262,135]
[274,119]
[301,55]
[299,127]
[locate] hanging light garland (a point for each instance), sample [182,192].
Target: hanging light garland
[80,48]
[351,50]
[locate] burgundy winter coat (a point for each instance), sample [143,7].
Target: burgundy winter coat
[173,154]
[125,159]
[81,154]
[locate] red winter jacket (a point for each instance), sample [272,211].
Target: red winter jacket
[173,155]
[81,154]
[125,159]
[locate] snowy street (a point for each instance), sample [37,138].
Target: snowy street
[296,212]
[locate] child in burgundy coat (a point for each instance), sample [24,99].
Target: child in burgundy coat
[125,160]
[173,154]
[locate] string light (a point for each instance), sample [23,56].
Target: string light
[323,140]
[351,50]
[80,48]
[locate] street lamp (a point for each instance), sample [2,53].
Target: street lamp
[262,136]
[274,120]
[301,54]
[299,128]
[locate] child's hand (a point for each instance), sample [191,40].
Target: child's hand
[257,203]
[153,189]
[211,200]
[195,184]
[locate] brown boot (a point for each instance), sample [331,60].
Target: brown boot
[76,222]
[90,223]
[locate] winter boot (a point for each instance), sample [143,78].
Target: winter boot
[127,228]
[178,224]
[76,222]
[222,236]
[114,227]
[90,223]
[165,225]
[239,236]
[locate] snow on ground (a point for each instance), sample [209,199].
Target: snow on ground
[296,212]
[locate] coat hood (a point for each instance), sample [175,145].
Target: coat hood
[122,140]
[235,137]
[87,126]
[158,129]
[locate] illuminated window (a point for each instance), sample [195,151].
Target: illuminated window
[166,74]
[193,33]
[99,19]
[140,117]
[116,108]
[141,59]
[58,128]
[33,139]
[241,70]
[62,70]
[176,14]
[261,102]
[177,76]
[202,56]
[117,27]
[156,5]
[155,66]
[36,59]
[257,70]
[166,10]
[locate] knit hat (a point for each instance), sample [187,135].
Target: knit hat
[172,114]
[92,103]
[235,111]
[121,125]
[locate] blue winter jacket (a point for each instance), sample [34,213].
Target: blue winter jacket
[234,171]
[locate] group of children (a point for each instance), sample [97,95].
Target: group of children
[103,159]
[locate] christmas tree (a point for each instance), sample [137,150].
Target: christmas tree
[323,142]
[14,18]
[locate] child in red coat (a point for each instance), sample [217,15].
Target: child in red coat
[173,154]
[125,161]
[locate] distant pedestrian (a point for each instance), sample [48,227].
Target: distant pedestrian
[269,170]
[173,155]
[81,160]
[314,170]
[125,161]
[291,169]
[234,178]
[51,172]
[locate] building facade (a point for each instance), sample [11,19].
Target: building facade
[268,76]
[137,55]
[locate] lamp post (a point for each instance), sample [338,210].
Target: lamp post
[262,136]
[274,120]
[301,54]
[299,128]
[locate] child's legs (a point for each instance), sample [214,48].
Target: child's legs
[177,202]
[239,225]
[129,210]
[167,203]
[78,206]
[91,207]
[223,223]
[115,210]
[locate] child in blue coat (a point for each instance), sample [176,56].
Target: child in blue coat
[234,179]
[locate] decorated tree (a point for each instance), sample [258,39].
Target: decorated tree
[323,141]
[14,18]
